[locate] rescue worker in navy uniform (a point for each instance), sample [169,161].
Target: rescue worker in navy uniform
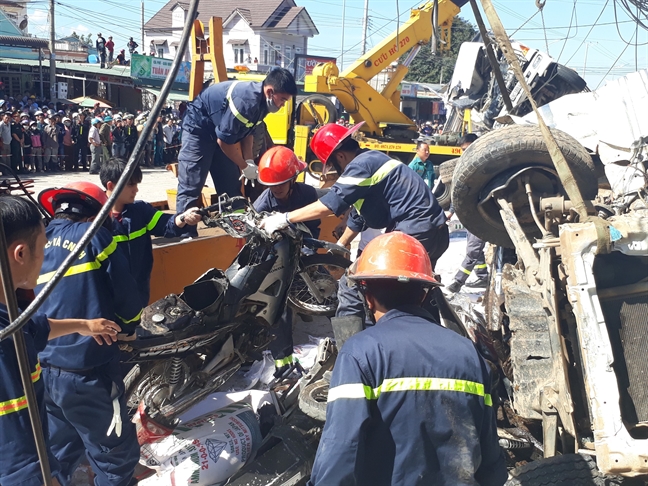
[218,136]
[392,419]
[25,236]
[135,221]
[85,401]
[475,259]
[278,169]
[384,193]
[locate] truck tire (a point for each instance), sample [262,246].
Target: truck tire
[492,157]
[331,111]
[570,469]
[446,170]
[443,194]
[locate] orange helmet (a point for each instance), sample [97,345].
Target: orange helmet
[394,256]
[278,165]
[86,194]
[328,138]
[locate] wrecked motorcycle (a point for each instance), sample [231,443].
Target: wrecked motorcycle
[189,345]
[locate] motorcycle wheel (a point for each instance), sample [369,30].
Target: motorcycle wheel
[325,271]
[312,400]
[150,381]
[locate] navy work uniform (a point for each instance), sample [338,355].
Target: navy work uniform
[227,111]
[19,463]
[385,193]
[395,420]
[300,195]
[474,260]
[85,390]
[132,230]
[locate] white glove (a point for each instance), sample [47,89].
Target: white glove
[275,222]
[251,172]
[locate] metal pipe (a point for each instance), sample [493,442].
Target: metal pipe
[623,291]
[133,162]
[491,57]
[527,188]
[23,360]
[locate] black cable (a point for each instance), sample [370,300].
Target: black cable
[132,164]
[571,20]
[589,31]
[614,64]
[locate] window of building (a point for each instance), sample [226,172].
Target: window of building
[160,52]
[265,54]
[288,55]
[239,54]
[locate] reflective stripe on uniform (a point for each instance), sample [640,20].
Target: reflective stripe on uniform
[128,321]
[237,114]
[479,267]
[18,404]
[390,385]
[82,267]
[141,232]
[283,361]
[467,272]
[375,178]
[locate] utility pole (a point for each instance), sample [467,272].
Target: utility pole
[585,63]
[143,46]
[365,21]
[52,60]
[342,52]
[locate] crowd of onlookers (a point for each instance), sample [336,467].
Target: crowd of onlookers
[427,128]
[37,136]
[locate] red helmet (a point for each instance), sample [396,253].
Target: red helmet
[329,137]
[394,256]
[87,193]
[278,165]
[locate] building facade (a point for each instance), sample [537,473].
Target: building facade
[260,34]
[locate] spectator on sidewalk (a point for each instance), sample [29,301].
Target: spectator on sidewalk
[168,131]
[96,149]
[105,135]
[80,135]
[158,148]
[17,139]
[37,146]
[110,47]
[50,145]
[68,146]
[152,50]
[100,44]
[118,138]
[27,147]
[5,138]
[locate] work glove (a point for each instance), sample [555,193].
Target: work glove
[274,222]
[251,172]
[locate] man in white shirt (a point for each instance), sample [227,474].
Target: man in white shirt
[5,136]
[95,146]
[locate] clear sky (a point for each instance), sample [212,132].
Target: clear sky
[602,52]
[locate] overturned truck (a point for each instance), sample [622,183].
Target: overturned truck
[567,308]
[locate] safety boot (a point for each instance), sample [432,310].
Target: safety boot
[344,327]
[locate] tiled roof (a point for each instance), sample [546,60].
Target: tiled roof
[289,17]
[256,12]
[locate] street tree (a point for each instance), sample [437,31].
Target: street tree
[427,68]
